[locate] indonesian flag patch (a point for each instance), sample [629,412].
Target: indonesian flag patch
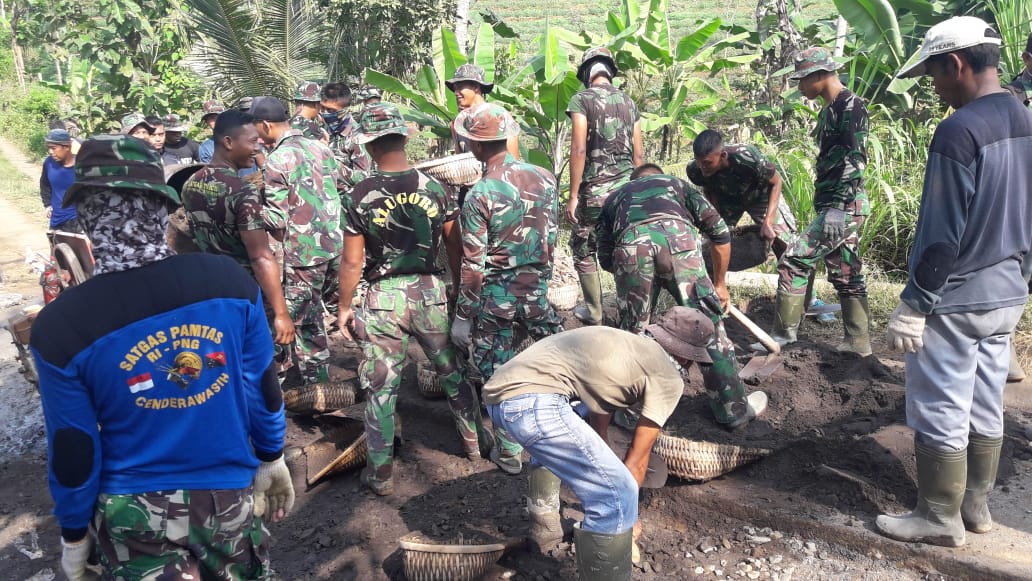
[140,383]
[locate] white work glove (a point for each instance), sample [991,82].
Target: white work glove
[906,329]
[834,224]
[273,490]
[461,330]
[74,557]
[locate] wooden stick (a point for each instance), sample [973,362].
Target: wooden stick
[755,329]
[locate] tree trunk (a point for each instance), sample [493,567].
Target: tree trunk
[60,73]
[841,28]
[19,62]
[462,22]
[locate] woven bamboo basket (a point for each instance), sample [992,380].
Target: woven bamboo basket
[565,297]
[342,447]
[319,397]
[433,562]
[428,380]
[694,460]
[455,170]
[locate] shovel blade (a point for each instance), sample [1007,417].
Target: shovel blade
[760,367]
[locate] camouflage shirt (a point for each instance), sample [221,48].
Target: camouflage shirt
[744,184]
[301,181]
[354,160]
[1021,87]
[310,128]
[653,198]
[219,205]
[611,117]
[841,134]
[509,224]
[402,216]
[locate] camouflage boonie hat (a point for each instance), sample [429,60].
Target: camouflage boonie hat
[307,92]
[367,92]
[684,332]
[244,104]
[133,120]
[489,122]
[119,161]
[599,53]
[812,60]
[212,107]
[379,120]
[174,123]
[472,73]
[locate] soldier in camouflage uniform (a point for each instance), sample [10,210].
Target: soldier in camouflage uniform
[841,204]
[471,89]
[738,179]
[396,222]
[306,118]
[335,99]
[1021,86]
[648,237]
[368,95]
[509,225]
[207,148]
[301,197]
[226,213]
[164,420]
[605,147]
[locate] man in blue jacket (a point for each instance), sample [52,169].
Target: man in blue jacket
[58,175]
[163,414]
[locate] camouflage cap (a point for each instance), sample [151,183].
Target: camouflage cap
[488,122]
[174,123]
[593,55]
[307,92]
[812,60]
[684,332]
[379,120]
[118,161]
[134,120]
[472,73]
[212,107]
[367,92]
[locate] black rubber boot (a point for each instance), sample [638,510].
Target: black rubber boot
[602,557]
[941,475]
[983,460]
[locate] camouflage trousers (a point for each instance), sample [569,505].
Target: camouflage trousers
[397,309]
[181,534]
[665,255]
[583,243]
[303,291]
[505,306]
[784,225]
[841,257]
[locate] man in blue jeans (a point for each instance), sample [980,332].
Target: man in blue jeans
[607,370]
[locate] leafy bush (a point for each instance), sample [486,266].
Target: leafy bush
[40,103]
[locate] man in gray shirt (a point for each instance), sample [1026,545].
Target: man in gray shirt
[967,285]
[607,370]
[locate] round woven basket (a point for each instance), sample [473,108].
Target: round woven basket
[319,397]
[694,460]
[431,562]
[428,380]
[748,249]
[352,456]
[455,170]
[564,298]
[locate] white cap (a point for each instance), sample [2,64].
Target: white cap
[957,33]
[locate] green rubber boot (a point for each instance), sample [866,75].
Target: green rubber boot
[788,310]
[543,505]
[941,475]
[855,326]
[602,557]
[983,460]
[590,313]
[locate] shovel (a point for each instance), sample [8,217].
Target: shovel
[760,366]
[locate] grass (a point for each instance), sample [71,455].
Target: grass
[21,191]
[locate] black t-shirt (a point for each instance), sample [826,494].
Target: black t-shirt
[186,151]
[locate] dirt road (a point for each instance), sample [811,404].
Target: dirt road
[840,455]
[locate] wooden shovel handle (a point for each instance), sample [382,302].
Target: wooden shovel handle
[755,329]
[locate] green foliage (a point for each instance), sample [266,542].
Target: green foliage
[1013,18]
[39,103]
[24,117]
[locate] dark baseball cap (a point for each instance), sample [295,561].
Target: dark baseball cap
[685,332]
[270,109]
